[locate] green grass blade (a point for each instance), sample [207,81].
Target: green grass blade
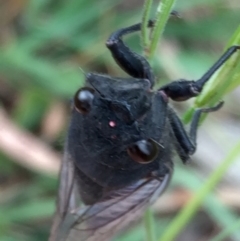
[225,80]
[163,12]
[149,225]
[187,213]
[145,18]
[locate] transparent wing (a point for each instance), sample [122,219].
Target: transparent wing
[68,200]
[99,222]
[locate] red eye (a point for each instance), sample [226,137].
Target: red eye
[112,124]
[83,100]
[143,151]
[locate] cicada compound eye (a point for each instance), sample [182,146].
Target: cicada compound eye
[83,100]
[143,151]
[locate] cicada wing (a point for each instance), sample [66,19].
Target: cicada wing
[99,222]
[68,200]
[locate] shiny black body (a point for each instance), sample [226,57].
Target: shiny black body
[117,124]
[99,150]
[107,165]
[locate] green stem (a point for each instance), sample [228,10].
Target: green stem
[145,18]
[187,213]
[149,225]
[224,80]
[163,12]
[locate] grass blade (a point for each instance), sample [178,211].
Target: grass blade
[163,12]
[187,213]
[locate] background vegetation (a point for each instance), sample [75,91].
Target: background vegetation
[44,48]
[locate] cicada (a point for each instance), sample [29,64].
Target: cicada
[120,144]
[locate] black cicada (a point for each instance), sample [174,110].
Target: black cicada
[118,152]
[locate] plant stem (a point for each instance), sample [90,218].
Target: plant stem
[149,225]
[226,79]
[163,12]
[187,213]
[144,33]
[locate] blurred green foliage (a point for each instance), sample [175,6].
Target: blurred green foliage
[43,45]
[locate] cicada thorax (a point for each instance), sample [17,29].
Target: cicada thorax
[102,145]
